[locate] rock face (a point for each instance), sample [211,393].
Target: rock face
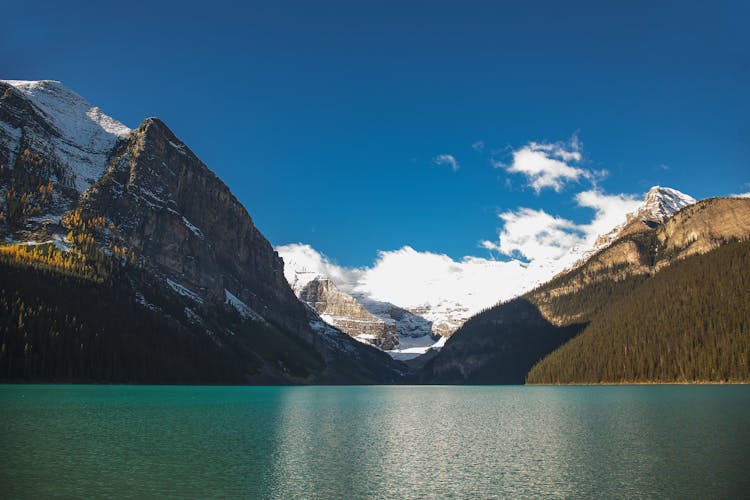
[186,226]
[343,311]
[402,333]
[143,194]
[704,226]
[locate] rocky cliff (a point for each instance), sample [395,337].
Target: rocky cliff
[53,146]
[185,225]
[402,333]
[345,313]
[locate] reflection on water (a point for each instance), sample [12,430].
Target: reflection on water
[393,442]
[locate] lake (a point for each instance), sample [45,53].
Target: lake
[374,442]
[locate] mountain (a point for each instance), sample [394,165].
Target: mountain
[404,334]
[502,345]
[89,202]
[659,204]
[445,302]
[344,312]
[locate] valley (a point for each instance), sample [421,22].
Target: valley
[188,290]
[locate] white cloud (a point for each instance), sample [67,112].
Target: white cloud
[539,236]
[609,211]
[538,244]
[446,159]
[548,165]
[413,279]
[302,263]
[536,235]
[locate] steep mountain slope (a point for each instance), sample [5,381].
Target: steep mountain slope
[185,226]
[519,334]
[579,296]
[53,146]
[68,321]
[151,209]
[637,254]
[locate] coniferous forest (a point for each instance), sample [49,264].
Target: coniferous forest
[688,323]
[70,317]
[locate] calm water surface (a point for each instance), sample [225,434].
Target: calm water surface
[377,442]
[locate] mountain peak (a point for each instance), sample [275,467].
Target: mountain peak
[65,108]
[660,203]
[81,135]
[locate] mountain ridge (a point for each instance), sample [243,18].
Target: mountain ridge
[572,299]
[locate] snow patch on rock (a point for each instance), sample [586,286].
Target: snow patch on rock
[184,291]
[192,227]
[407,351]
[242,308]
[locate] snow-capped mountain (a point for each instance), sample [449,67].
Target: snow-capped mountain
[659,204]
[77,136]
[328,289]
[449,293]
[502,344]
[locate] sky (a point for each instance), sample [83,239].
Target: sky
[509,131]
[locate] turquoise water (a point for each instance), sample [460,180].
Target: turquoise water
[376,442]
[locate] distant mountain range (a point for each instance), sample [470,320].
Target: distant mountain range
[125,259]
[407,330]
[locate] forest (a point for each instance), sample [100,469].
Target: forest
[688,323]
[72,317]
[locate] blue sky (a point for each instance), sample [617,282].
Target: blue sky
[328,119]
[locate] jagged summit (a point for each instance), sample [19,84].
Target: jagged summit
[662,203]
[659,204]
[65,108]
[75,135]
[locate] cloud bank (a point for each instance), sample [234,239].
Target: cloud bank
[532,246]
